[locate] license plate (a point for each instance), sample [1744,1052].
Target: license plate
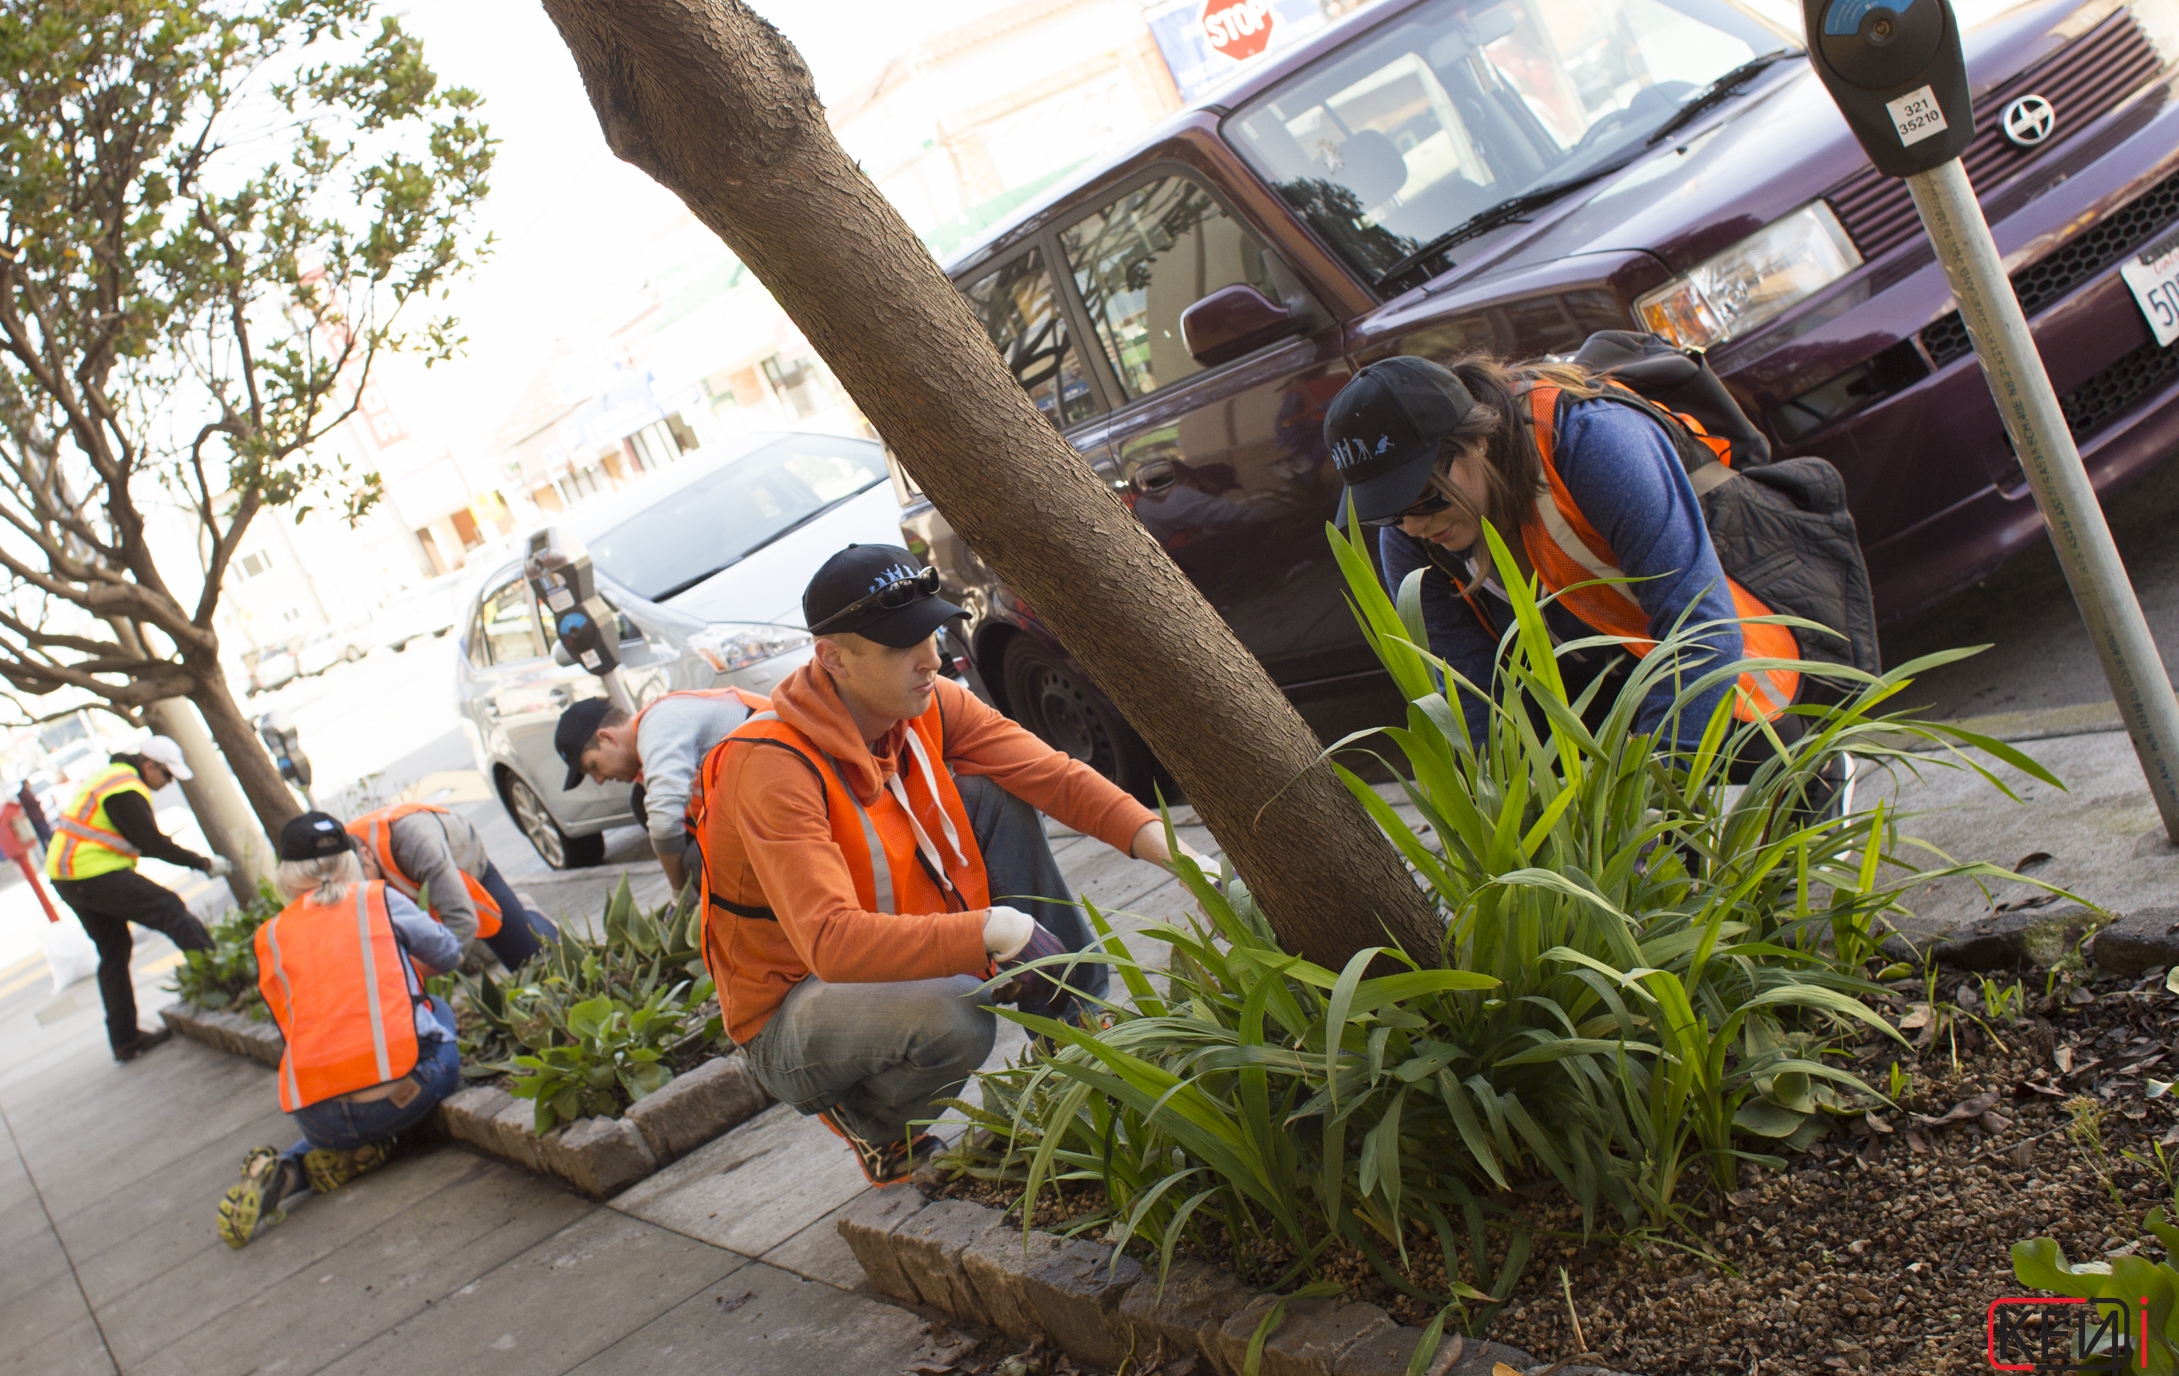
[2153,274]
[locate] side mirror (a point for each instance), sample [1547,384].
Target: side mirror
[1233,321]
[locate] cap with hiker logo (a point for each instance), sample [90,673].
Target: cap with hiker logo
[1383,431]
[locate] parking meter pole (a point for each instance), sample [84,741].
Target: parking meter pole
[1897,72]
[2078,532]
[616,691]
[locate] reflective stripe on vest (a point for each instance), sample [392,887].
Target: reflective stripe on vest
[887,836]
[85,837]
[333,978]
[1569,554]
[375,831]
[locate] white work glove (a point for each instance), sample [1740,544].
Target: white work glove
[220,867]
[1006,931]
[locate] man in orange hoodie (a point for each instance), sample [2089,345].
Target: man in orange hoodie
[867,843]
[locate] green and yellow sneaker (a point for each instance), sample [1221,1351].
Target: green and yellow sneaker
[255,1203]
[327,1170]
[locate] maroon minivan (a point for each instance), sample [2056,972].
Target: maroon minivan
[1433,176]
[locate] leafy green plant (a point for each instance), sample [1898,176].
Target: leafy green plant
[1645,958]
[225,977]
[2041,1264]
[588,1026]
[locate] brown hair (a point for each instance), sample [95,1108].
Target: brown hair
[1501,425]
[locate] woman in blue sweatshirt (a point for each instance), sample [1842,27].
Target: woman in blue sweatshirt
[1581,487]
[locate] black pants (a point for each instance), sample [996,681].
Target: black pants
[106,904]
[522,929]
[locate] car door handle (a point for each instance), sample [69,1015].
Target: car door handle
[1157,476]
[561,696]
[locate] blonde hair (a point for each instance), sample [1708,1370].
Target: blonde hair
[326,878]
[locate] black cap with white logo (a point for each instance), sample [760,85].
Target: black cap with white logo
[880,592]
[312,835]
[1383,431]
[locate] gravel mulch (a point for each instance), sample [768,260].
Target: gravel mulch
[1881,1248]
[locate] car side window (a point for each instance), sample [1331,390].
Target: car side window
[1147,257]
[1022,314]
[511,633]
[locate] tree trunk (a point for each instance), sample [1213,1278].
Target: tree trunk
[268,793]
[715,104]
[228,826]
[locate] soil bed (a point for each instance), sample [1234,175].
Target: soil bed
[1881,1248]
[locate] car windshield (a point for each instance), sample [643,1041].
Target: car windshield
[721,518]
[1462,105]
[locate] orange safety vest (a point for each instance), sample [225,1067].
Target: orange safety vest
[692,811]
[1568,555]
[911,851]
[331,974]
[374,831]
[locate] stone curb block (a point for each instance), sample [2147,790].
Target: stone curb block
[228,1032]
[968,1261]
[2030,938]
[692,1109]
[2139,942]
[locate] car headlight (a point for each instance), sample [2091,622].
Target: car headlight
[729,647]
[1754,280]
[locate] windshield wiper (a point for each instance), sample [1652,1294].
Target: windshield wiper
[1716,93]
[1505,212]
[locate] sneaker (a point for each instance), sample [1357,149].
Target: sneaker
[327,1170]
[255,1203]
[140,1043]
[886,1165]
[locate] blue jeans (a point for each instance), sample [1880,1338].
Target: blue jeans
[337,1125]
[522,929]
[878,1055]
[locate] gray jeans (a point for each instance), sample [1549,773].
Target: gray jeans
[879,1055]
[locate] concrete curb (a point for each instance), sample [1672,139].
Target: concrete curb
[597,1156]
[228,1032]
[968,1261]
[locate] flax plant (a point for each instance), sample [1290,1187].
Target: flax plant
[1643,961]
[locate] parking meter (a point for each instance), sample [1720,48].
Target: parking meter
[558,567]
[1896,71]
[285,742]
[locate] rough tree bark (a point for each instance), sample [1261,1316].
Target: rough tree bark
[715,104]
[230,827]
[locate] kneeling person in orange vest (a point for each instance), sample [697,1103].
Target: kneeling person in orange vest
[368,1054]
[658,750]
[874,854]
[428,854]
[92,863]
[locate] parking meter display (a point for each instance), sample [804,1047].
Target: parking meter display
[2153,274]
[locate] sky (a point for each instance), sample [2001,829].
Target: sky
[575,225]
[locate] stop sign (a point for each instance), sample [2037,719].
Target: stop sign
[1237,28]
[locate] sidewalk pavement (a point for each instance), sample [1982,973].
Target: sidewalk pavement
[726,1261]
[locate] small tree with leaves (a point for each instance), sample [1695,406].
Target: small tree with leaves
[214,218]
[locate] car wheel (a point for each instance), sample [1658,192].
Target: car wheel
[556,847]
[1056,699]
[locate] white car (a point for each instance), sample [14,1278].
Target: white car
[425,612]
[705,562]
[333,645]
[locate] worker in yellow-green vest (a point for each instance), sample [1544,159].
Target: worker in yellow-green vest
[92,863]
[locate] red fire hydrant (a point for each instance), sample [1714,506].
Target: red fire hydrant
[19,842]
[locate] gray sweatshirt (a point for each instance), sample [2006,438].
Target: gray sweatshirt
[672,739]
[437,849]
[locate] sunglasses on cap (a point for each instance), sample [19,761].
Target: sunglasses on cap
[1429,504]
[892,597]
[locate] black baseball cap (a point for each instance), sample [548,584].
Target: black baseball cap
[577,725]
[313,835]
[1383,431]
[856,575]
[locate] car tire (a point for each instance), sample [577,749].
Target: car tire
[554,846]
[1056,698]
